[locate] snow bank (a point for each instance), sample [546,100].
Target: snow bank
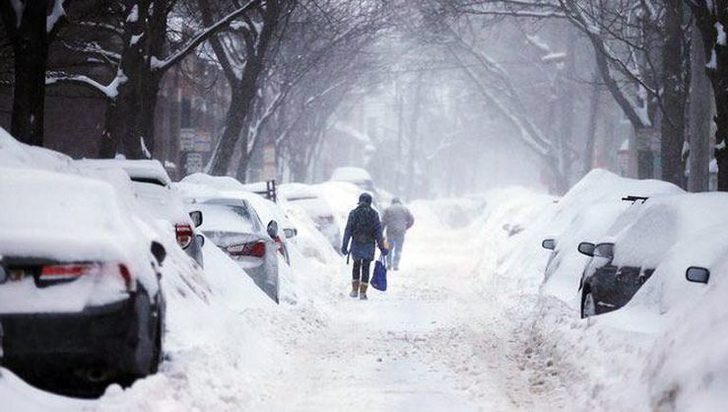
[668,343]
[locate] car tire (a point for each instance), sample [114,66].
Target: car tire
[148,323]
[588,305]
[157,349]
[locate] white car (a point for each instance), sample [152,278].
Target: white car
[316,207]
[153,189]
[355,175]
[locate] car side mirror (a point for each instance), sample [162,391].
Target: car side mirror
[272,229]
[549,244]
[158,251]
[196,217]
[200,240]
[290,232]
[586,248]
[697,274]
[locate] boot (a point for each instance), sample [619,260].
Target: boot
[354,289]
[363,291]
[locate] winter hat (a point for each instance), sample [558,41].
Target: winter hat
[365,198]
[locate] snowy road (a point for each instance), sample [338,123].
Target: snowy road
[431,342]
[439,339]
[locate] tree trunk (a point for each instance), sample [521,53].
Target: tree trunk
[30,48]
[700,115]
[233,125]
[591,134]
[673,96]
[414,139]
[246,89]
[717,70]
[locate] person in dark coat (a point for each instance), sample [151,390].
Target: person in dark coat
[363,230]
[397,220]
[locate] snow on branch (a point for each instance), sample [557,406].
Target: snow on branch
[161,65]
[527,131]
[19,8]
[110,91]
[57,13]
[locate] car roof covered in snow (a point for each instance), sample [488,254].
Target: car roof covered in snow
[215,182]
[62,216]
[297,191]
[19,155]
[350,174]
[653,228]
[138,170]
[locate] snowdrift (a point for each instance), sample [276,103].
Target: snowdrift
[223,334]
[656,352]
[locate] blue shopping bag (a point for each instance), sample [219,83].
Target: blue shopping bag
[379,279]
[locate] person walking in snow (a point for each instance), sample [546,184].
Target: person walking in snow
[363,230]
[397,220]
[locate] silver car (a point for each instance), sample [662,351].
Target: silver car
[234,226]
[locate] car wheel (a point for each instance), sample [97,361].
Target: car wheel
[148,336]
[588,306]
[157,349]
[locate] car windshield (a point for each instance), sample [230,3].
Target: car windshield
[230,218]
[605,250]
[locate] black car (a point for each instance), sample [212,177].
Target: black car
[604,286]
[80,291]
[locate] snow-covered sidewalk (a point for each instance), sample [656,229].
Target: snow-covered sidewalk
[436,340]
[431,342]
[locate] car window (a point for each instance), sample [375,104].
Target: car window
[255,218]
[230,218]
[605,250]
[149,180]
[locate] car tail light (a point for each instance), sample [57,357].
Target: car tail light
[126,275]
[68,271]
[255,249]
[51,274]
[184,235]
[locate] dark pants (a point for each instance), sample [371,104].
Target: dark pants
[396,241]
[361,270]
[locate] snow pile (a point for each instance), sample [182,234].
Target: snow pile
[19,155]
[668,342]
[224,336]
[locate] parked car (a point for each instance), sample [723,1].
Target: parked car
[232,224]
[355,175]
[153,188]
[80,287]
[268,211]
[638,242]
[316,207]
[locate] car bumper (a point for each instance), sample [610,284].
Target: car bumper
[98,337]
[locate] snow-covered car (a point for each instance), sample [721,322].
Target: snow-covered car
[638,242]
[355,175]
[232,224]
[203,185]
[80,288]
[316,207]
[268,211]
[152,187]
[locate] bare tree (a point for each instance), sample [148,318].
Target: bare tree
[711,19]
[29,27]
[140,49]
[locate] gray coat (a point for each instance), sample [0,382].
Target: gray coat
[397,219]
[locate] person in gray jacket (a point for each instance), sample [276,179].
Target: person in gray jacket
[396,220]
